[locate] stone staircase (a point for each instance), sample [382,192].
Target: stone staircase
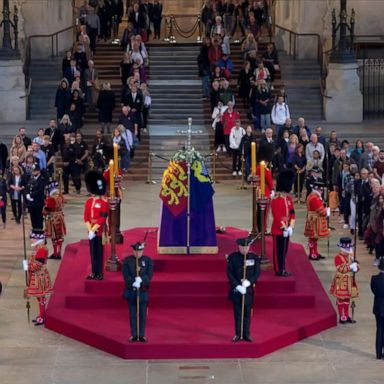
[45,75]
[302,80]
[176,95]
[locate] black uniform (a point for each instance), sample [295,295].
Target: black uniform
[130,293]
[377,287]
[34,192]
[235,272]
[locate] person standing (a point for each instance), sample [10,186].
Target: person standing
[237,133]
[137,272]
[106,104]
[377,287]
[3,201]
[283,213]
[16,185]
[96,211]
[243,270]
[343,286]
[39,282]
[316,225]
[55,228]
[34,194]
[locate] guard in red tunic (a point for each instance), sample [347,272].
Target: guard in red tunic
[283,214]
[316,225]
[344,286]
[55,228]
[95,216]
[265,154]
[39,282]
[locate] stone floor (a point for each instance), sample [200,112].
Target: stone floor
[344,354]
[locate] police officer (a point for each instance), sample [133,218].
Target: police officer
[243,270]
[137,273]
[34,194]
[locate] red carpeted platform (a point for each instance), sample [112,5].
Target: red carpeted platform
[189,315]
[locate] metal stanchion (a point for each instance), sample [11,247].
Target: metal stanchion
[149,171]
[172,38]
[167,32]
[199,37]
[214,179]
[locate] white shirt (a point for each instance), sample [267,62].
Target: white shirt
[280,113]
[235,137]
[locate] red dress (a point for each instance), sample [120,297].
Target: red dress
[39,281]
[316,225]
[55,228]
[344,284]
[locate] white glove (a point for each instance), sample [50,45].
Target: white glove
[272,194]
[136,284]
[328,211]
[241,289]
[91,235]
[138,279]
[285,233]
[290,231]
[29,198]
[246,283]
[25,265]
[353,267]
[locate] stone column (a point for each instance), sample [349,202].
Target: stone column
[12,91]
[344,101]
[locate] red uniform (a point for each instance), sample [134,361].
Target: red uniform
[39,281]
[344,286]
[283,214]
[95,214]
[55,228]
[316,225]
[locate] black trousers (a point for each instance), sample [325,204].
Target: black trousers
[73,170]
[16,209]
[379,336]
[236,160]
[237,306]
[132,305]
[92,38]
[157,28]
[280,248]
[96,251]
[37,219]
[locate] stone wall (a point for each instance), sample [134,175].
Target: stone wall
[42,17]
[314,16]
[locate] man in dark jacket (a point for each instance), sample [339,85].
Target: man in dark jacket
[137,273]
[54,135]
[377,287]
[34,194]
[242,271]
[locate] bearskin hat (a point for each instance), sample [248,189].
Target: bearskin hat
[95,183]
[265,153]
[285,181]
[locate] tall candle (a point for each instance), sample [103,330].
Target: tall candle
[116,159]
[253,158]
[111,180]
[262,178]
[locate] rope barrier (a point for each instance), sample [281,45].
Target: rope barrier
[186,34]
